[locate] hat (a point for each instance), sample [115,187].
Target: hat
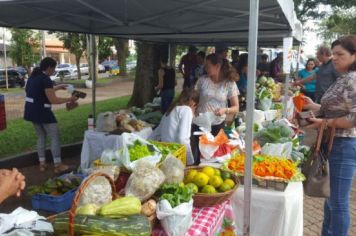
[192,48]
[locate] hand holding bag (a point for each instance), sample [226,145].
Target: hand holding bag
[316,168]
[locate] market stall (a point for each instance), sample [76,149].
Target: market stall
[216,20]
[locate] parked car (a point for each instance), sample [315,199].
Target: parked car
[109,64]
[22,70]
[65,66]
[15,78]
[115,70]
[66,74]
[101,68]
[131,65]
[84,69]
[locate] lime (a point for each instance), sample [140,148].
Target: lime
[201,179]
[224,187]
[217,172]
[225,175]
[209,171]
[193,187]
[215,181]
[208,189]
[230,182]
[190,176]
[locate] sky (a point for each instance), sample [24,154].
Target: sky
[312,41]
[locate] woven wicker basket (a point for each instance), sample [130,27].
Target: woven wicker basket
[211,199]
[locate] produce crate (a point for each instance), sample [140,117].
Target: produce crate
[180,153]
[54,203]
[267,183]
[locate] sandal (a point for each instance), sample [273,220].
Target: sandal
[60,168]
[43,166]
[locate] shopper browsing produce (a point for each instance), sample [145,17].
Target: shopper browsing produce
[40,96]
[338,106]
[215,89]
[176,124]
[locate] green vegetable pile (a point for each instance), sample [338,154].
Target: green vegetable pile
[166,149]
[175,194]
[274,133]
[57,186]
[139,150]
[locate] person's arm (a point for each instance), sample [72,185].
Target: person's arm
[307,79]
[60,87]
[234,102]
[160,79]
[53,99]
[180,66]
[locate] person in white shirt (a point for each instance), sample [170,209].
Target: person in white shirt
[176,123]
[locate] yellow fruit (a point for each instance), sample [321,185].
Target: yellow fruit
[215,181]
[217,172]
[181,184]
[208,189]
[190,176]
[230,182]
[209,171]
[193,187]
[224,187]
[201,179]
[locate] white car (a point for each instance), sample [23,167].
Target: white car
[101,68]
[66,74]
[84,69]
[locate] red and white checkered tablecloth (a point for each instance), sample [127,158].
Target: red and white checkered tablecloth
[206,221]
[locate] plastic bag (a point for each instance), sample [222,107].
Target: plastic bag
[173,169]
[124,156]
[205,120]
[216,149]
[106,122]
[264,104]
[109,157]
[283,150]
[175,221]
[144,180]
[98,191]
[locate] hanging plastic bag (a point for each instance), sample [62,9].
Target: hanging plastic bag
[283,150]
[264,104]
[144,180]
[175,221]
[205,120]
[215,150]
[129,139]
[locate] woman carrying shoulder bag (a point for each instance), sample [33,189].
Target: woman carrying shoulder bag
[338,106]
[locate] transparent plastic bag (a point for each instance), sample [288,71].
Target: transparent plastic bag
[98,191]
[173,169]
[144,180]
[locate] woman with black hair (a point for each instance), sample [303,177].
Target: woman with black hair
[40,96]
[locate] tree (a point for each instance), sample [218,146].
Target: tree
[341,22]
[148,56]
[76,44]
[309,9]
[122,48]
[104,47]
[24,48]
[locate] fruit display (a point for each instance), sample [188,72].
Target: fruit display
[56,186]
[268,167]
[209,180]
[139,150]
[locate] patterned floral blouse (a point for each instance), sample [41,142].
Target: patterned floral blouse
[215,95]
[340,100]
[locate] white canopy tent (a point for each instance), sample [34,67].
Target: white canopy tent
[238,22]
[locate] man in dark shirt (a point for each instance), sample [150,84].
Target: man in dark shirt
[326,75]
[186,65]
[263,66]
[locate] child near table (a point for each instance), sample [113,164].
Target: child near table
[176,123]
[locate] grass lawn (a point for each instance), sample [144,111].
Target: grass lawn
[11,90]
[19,136]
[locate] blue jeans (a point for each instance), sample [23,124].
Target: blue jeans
[342,161]
[166,99]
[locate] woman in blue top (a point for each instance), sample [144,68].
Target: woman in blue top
[309,88]
[40,95]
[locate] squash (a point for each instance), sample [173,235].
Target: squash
[135,225]
[120,207]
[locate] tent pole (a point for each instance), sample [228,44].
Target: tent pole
[250,108]
[169,54]
[5,60]
[92,53]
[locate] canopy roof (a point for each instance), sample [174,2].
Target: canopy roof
[179,21]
